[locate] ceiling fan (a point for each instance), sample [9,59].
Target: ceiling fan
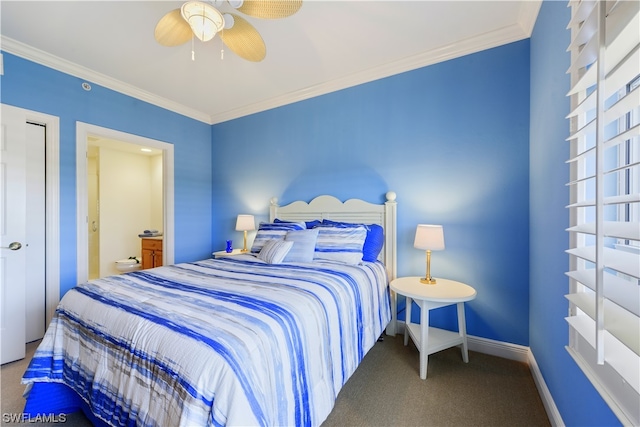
[204,20]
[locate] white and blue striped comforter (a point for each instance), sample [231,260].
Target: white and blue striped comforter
[230,341]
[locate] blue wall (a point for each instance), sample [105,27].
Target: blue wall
[450,139]
[31,86]
[577,400]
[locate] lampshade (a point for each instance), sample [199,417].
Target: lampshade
[245,223]
[429,237]
[204,19]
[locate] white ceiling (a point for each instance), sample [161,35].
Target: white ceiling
[328,45]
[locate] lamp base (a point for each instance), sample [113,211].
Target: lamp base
[428,280]
[244,248]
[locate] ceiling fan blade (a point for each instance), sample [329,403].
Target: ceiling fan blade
[172,29]
[244,40]
[270,9]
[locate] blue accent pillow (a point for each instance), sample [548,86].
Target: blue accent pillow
[373,243]
[310,224]
[273,231]
[282,221]
[304,245]
[342,244]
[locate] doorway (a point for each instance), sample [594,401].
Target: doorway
[86,135]
[124,184]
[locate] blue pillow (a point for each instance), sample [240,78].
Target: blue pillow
[310,224]
[304,245]
[373,243]
[273,231]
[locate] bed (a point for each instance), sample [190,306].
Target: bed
[264,338]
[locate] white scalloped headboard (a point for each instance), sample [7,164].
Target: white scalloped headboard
[353,210]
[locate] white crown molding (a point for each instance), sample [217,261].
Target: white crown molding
[468,46]
[43,58]
[521,30]
[528,15]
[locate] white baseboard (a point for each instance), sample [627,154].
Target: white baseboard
[487,346]
[547,400]
[519,353]
[498,348]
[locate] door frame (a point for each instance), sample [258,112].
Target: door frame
[83,131]
[52,209]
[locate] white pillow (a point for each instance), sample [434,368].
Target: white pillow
[304,245]
[340,244]
[274,251]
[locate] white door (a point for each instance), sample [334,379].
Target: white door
[12,233]
[35,229]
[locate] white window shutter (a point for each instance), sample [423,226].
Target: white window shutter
[604,298]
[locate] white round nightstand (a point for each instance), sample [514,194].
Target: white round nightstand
[223,254]
[429,340]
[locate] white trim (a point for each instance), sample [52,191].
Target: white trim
[545,395]
[519,31]
[44,58]
[529,11]
[498,348]
[502,349]
[83,130]
[52,208]
[615,391]
[461,48]
[523,354]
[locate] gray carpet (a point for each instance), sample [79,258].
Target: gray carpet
[386,390]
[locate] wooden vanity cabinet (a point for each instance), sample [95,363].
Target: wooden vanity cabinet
[151,253]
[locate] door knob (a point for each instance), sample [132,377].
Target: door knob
[14,246]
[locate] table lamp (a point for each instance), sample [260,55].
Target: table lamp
[245,223]
[429,238]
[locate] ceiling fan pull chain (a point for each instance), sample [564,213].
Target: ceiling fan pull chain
[193,52]
[221,45]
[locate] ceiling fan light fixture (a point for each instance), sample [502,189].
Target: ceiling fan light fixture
[228,21]
[204,19]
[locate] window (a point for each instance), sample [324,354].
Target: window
[604,276]
[629,155]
